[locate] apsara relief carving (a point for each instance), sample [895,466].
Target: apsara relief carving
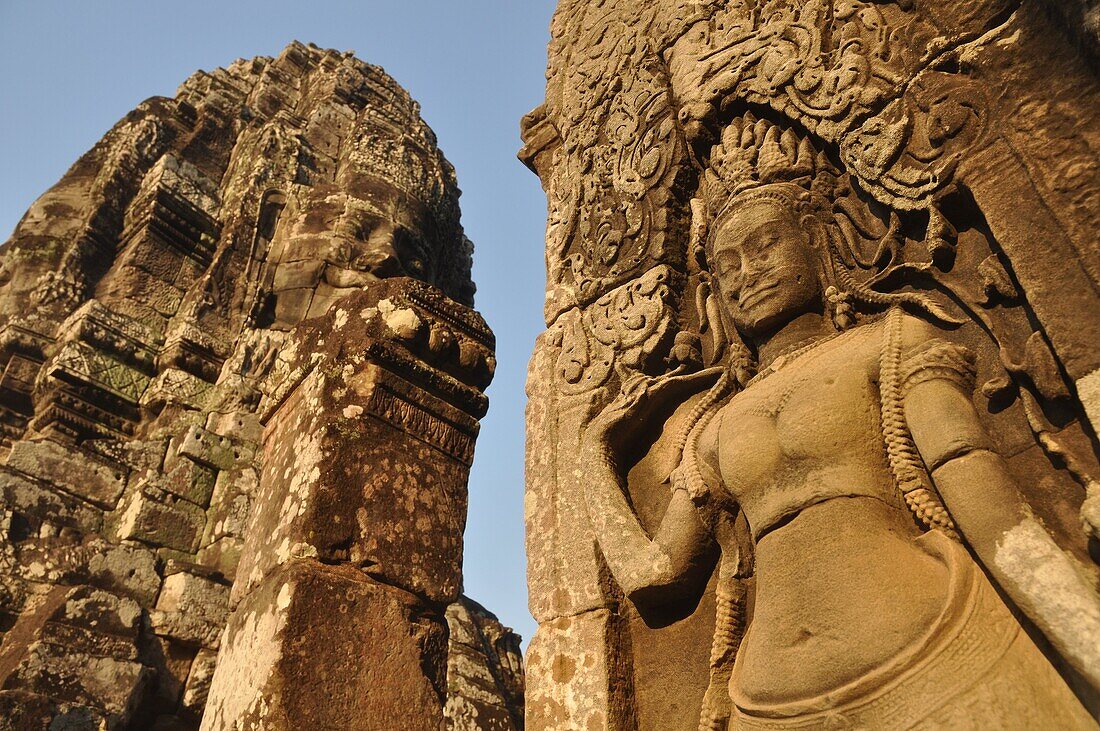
[862,436]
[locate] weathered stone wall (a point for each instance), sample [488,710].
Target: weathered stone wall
[144,300]
[968,129]
[485,682]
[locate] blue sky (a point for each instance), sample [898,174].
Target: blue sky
[71,69]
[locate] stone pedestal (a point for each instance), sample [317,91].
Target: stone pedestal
[354,549]
[319,646]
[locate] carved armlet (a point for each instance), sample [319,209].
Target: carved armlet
[938,359]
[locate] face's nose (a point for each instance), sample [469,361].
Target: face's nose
[762,266]
[380,259]
[749,277]
[372,243]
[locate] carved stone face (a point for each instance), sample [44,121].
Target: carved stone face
[335,243]
[765,266]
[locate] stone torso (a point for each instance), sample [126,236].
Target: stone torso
[843,585]
[809,432]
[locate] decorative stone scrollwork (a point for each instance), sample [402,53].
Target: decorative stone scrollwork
[908,152]
[635,320]
[581,364]
[629,329]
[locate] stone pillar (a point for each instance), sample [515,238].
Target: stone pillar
[354,548]
[579,659]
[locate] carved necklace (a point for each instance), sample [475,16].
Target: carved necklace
[788,355]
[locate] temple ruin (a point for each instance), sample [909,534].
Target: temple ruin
[811,431]
[224,499]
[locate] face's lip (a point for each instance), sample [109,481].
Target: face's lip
[755,295]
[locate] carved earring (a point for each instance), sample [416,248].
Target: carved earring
[840,305]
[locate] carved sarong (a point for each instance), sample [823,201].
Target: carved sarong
[975,668]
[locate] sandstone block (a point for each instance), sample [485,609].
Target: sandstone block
[172,660]
[78,647]
[20,710]
[197,688]
[196,596]
[150,256]
[74,471]
[207,448]
[101,611]
[484,671]
[223,556]
[106,684]
[140,455]
[358,477]
[126,570]
[240,425]
[41,506]
[191,481]
[570,672]
[175,386]
[316,646]
[129,571]
[564,575]
[294,274]
[88,642]
[292,305]
[185,628]
[160,519]
[229,506]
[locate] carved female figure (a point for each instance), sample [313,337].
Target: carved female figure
[810,474]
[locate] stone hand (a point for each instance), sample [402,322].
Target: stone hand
[640,395]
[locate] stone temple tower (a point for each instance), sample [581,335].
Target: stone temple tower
[168,339]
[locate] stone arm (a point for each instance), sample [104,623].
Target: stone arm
[680,556]
[982,497]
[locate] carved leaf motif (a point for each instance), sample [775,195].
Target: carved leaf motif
[629,327]
[647,167]
[620,148]
[634,319]
[909,151]
[1040,365]
[82,363]
[838,68]
[583,363]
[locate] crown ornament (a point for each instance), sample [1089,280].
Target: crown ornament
[755,152]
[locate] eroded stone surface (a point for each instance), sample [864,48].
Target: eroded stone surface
[374,662]
[484,671]
[819,274]
[361,465]
[371,415]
